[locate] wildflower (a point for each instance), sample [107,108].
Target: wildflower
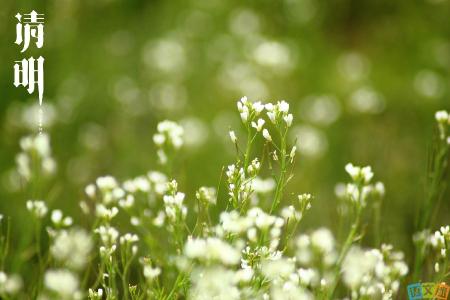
[442,116]
[273,269]
[62,282]
[95,295]
[151,273]
[129,238]
[288,119]
[292,153]
[289,213]
[108,235]
[207,195]
[233,136]
[72,247]
[305,201]
[263,186]
[35,149]
[323,240]
[233,222]
[266,135]
[283,106]
[173,133]
[59,220]
[159,220]
[10,284]
[127,203]
[90,190]
[214,282]
[254,167]
[106,213]
[37,208]
[258,125]
[211,249]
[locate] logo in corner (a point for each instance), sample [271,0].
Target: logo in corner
[428,290]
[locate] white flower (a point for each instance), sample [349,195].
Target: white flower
[106,183]
[207,194]
[442,116]
[258,126]
[233,137]
[273,269]
[272,116]
[266,135]
[357,173]
[10,284]
[258,107]
[352,170]
[58,218]
[159,139]
[105,213]
[290,213]
[128,202]
[37,208]
[212,249]
[108,235]
[169,132]
[129,238]
[244,115]
[214,282]
[283,106]
[323,240]
[62,282]
[72,247]
[90,190]
[151,273]
[305,201]
[288,119]
[307,276]
[292,154]
[176,200]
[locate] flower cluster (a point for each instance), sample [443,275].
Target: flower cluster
[440,242]
[250,250]
[168,138]
[443,120]
[374,274]
[358,191]
[35,151]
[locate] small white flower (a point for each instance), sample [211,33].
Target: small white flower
[90,190]
[244,115]
[72,247]
[442,116]
[267,135]
[37,208]
[105,213]
[259,125]
[151,273]
[283,106]
[233,137]
[258,107]
[58,218]
[288,119]
[62,282]
[129,238]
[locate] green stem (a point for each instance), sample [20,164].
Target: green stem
[345,248]
[281,180]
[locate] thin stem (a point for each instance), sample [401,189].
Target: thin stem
[281,179]
[345,248]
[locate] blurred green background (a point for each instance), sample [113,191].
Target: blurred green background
[363,78]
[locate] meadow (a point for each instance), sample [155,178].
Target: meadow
[197,149]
